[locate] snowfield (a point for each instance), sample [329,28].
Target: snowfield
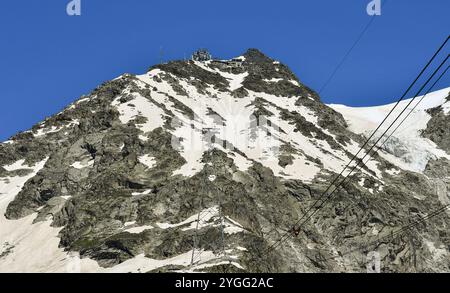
[406,149]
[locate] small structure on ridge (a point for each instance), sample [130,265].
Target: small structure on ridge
[201,55]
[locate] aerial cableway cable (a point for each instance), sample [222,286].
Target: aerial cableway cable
[373,133]
[364,164]
[412,110]
[299,223]
[344,58]
[392,124]
[362,147]
[394,234]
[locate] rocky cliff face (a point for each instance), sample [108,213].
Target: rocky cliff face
[438,129]
[203,166]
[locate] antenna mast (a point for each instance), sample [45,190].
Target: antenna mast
[161,55]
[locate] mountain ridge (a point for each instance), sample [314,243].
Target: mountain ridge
[119,177]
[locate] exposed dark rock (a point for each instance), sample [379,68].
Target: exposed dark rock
[438,129]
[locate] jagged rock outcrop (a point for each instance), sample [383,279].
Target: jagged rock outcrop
[438,129]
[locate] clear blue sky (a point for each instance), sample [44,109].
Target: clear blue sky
[48,59]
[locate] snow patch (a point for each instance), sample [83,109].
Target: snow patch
[294,82]
[147,160]
[438,253]
[240,248]
[139,229]
[143,138]
[209,217]
[82,100]
[18,165]
[45,130]
[273,79]
[140,106]
[145,192]
[235,80]
[446,108]
[82,164]
[142,264]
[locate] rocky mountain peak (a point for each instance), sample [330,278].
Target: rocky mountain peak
[254,55]
[118,180]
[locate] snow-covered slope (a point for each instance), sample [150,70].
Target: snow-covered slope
[232,121]
[407,148]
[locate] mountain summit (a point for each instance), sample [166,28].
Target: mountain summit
[205,165]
